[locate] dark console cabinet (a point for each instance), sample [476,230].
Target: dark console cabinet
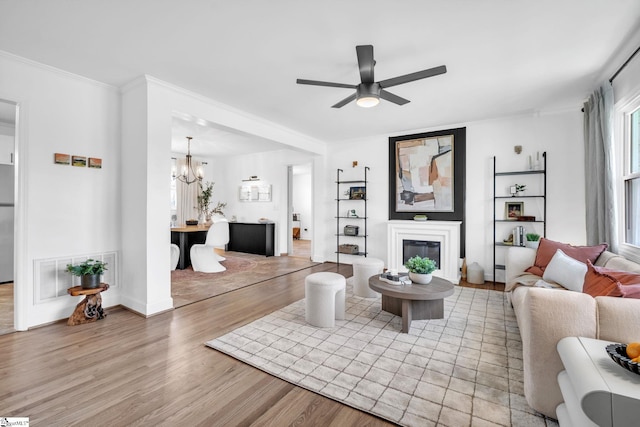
[252,238]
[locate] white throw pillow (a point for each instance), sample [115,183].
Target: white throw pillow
[565,271]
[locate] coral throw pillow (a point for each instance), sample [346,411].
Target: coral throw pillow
[547,249]
[600,281]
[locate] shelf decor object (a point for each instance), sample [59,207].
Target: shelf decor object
[514,210]
[351,225]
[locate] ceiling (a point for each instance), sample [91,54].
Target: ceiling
[503,57]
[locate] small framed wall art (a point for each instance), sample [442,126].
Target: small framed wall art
[80,161]
[61,159]
[95,163]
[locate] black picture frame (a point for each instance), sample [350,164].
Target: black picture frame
[400,197]
[357,193]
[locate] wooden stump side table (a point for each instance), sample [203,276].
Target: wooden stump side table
[90,308]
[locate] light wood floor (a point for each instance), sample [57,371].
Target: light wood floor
[301,248]
[128,370]
[6,308]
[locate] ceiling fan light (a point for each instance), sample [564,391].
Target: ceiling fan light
[368,101]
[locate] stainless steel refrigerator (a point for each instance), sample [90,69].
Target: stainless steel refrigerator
[6,223]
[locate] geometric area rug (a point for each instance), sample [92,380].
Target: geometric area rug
[462,370]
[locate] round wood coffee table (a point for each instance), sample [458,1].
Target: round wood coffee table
[413,302]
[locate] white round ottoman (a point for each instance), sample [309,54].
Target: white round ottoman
[324,298]
[364,268]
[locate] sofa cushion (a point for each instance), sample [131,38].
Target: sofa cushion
[547,249]
[565,271]
[602,281]
[626,291]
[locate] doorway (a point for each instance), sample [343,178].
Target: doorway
[8,116]
[300,212]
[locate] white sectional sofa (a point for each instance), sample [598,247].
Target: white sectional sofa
[545,315]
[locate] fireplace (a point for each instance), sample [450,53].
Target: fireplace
[421,248]
[445,235]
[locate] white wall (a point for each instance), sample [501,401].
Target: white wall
[302,202]
[61,210]
[560,135]
[270,167]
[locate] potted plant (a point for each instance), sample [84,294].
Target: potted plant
[89,272]
[204,200]
[517,189]
[420,269]
[533,240]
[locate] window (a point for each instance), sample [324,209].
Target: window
[631,179]
[627,138]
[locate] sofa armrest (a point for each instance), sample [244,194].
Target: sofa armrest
[545,316]
[618,319]
[517,260]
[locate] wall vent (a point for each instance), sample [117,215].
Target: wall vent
[52,279]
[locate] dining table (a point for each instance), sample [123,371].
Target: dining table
[186,236]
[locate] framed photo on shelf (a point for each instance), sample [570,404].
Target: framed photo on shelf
[357,193]
[513,210]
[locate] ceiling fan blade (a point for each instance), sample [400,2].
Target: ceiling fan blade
[344,101]
[393,98]
[319,83]
[413,76]
[365,63]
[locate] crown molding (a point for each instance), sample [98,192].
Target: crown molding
[201,98]
[58,71]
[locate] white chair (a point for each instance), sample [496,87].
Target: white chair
[324,298]
[221,239]
[175,256]
[203,257]
[363,269]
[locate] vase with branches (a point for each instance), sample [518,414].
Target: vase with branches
[205,199]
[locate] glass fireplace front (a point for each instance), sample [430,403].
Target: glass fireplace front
[423,248]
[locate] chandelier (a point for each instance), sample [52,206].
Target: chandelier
[188,175]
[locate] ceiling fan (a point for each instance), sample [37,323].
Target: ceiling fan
[369,92]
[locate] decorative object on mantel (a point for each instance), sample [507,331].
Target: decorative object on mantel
[420,218]
[89,272]
[188,175]
[420,269]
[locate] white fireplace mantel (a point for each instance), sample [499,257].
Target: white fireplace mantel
[445,232]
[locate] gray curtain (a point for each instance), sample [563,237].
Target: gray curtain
[599,168]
